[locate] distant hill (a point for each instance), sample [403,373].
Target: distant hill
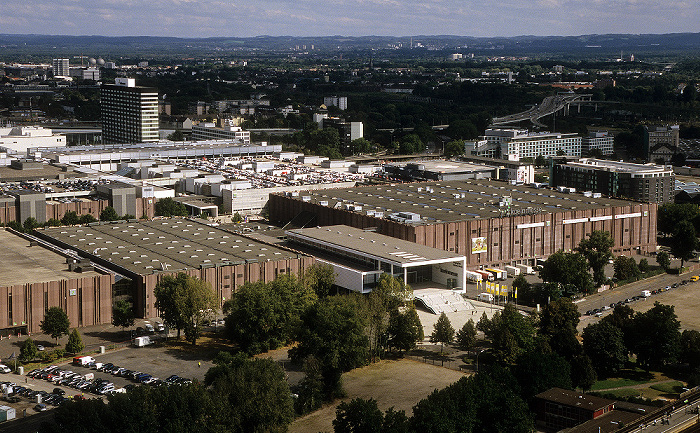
[577,46]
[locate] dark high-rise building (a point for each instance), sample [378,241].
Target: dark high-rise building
[129,112]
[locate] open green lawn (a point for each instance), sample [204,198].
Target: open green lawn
[622,393]
[628,377]
[675,387]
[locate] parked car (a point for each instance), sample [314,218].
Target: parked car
[5,369]
[40,407]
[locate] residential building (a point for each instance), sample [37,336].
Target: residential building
[336,101]
[61,67]
[129,112]
[557,408]
[661,142]
[209,131]
[597,141]
[647,183]
[348,131]
[516,144]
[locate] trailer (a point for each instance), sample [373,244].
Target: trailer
[473,276]
[487,276]
[513,270]
[485,297]
[498,274]
[142,341]
[525,269]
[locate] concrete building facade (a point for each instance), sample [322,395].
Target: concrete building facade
[516,144]
[129,112]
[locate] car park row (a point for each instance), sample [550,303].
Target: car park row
[645,294]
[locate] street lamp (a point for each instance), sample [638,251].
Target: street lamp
[477,358]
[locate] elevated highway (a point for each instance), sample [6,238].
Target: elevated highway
[549,106]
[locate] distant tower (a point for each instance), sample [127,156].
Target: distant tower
[631,57]
[61,67]
[129,112]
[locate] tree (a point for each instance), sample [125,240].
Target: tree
[537,372]
[643,266]
[176,136]
[690,348]
[109,214]
[626,268]
[540,161]
[310,389]
[168,207]
[671,214]
[333,330]
[30,224]
[597,250]
[70,218]
[320,277]
[75,342]
[443,332]
[28,351]
[385,300]
[569,270]
[684,241]
[655,336]
[184,302]
[87,219]
[53,222]
[510,332]
[558,322]
[358,416]
[122,314]
[583,374]
[361,145]
[55,323]
[410,144]
[466,337]
[521,285]
[237,218]
[663,260]
[404,329]
[604,344]
[454,148]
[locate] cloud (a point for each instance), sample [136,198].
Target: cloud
[203,18]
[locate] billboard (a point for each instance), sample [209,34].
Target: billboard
[479,245]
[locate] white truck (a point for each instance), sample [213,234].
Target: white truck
[525,269]
[474,276]
[513,270]
[646,293]
[142,341]
[485,297]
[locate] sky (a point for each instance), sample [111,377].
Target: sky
[245,18]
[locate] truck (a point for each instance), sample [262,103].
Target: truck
[485,297]
[142,341]
[513,270]
[525,269]
[473,276]
[83,360]
[486,276]
[646,293]
[499,274]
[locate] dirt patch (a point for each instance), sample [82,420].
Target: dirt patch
[401,384]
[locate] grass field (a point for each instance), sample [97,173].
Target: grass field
[399,384]
[669,387]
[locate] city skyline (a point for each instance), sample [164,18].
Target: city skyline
[350,18]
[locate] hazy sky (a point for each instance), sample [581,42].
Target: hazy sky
[203,18]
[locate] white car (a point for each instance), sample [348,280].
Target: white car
[5,369]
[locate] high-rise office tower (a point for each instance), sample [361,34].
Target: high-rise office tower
[61,67]
[129,112]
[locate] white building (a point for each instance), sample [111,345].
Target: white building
[209,131]
[336,101]
[516,144]
[600,140]
[18,139]
[61,67]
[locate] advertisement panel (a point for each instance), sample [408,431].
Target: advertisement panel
[479,245]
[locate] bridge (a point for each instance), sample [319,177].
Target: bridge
[549,105]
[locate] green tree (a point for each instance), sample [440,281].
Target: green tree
[583,374]
[597,249]
[604,344]
[109,214]
[320,277]
[168,207]
[122,314]
[537,372]
[443,332]
[663,260]
[410,144]
[386,298]
[510,332]
[70,218]
[361,145]
[466,337]
[655,336]
[55,323]
[540,161]
[310,389]
[28,350]
[669,215]
[462,129]
[684,241]
[569,270]
[454,148]
[690,348]
[30,224]
[333,331]
[521,284]
[643,266]
[53,222]
[237,218]
[358,416]
[169,300]
[557,324]
[87,219]
[176,136]
[626,268]
[404,329]
[75,342]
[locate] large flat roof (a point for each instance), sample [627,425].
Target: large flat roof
[22,264]
[368,243]
[142,247]
[442,166]
[444,201]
